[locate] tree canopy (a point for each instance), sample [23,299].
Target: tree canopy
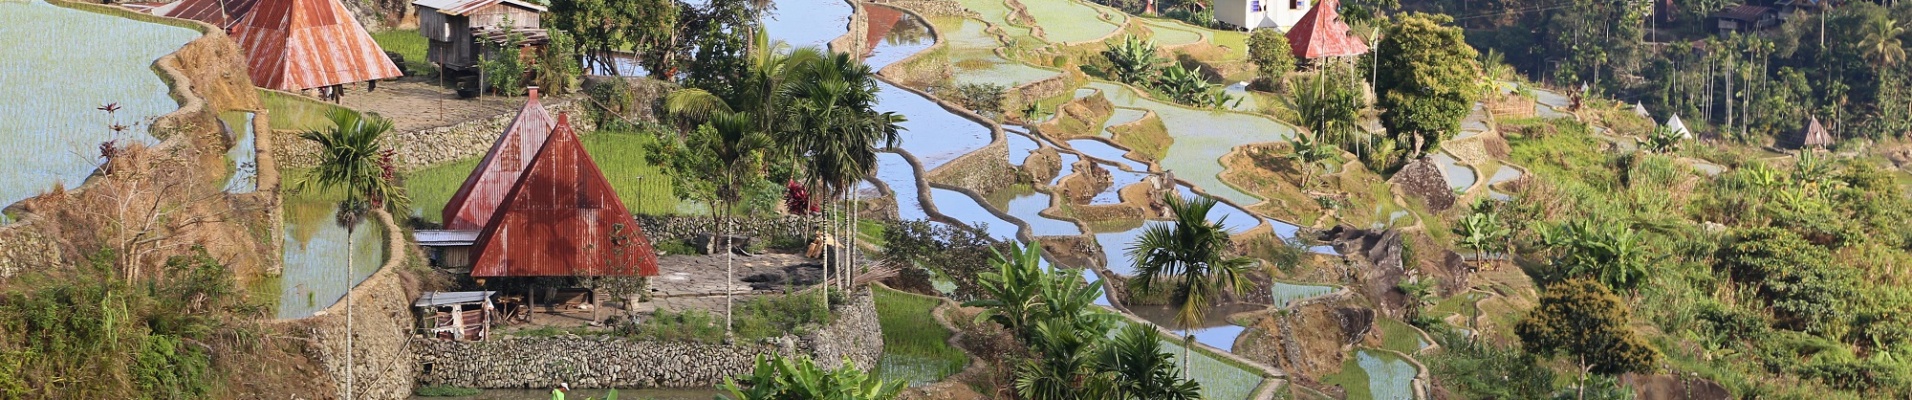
[1428,80]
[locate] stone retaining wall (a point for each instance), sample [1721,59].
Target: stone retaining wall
[930,8]
[424,148]
[609,361]
[984,171]
[666,228]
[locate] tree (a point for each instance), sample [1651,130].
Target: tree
[1420,294]
[1273,57]
[1580,319]
[1191,255]
[734,144]
[1141,371]
[780,378]
[1331,109]
[1806,290]
[1309,153]
[1430,82]
[838,130]
[353,159]
[1881,43]
[604,27]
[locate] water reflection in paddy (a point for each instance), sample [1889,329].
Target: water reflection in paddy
[1286,294]
[1020,147]
[801,24]
[1068,167]
[933,135]
[1121,116]
[1028,208]
[245,167]
[1201,138]
[1214,328]
[1121,179]
[1105,151]
[964,208]
[314,276]
[896,173]
[1459,177]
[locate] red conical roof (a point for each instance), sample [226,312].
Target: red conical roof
[302,44]
[1320,33]
[488,184]
[562,219]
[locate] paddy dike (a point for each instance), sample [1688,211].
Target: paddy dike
[203,77]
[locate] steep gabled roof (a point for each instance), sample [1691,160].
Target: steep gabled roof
[1320,33]
[1813,135]
[302,44]
[562,219]
[1674,124]
[221,13]
[471,207]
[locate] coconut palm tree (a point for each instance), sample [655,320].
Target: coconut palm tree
[1191,255]
[1881,43]
[354,162]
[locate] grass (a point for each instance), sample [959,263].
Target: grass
[407,43]
[444,391]
[294,113]
[1398,336]
[644,188]
[1147,136]
[915,347]
[1357,376]
[757,318]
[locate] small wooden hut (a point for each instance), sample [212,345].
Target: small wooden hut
[1813,135]
[464,316]
[455,28]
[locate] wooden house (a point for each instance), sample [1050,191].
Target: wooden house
[455,28]
[1744,18]
[464,316]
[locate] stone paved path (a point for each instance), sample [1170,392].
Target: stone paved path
[417,103]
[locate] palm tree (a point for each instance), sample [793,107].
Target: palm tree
[733,143]
[1065,369]
[1309,152]
[1192,253]
[352,160]
[1141,371]
[836,127]
[1882,43]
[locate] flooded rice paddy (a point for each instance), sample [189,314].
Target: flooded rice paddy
[51,121]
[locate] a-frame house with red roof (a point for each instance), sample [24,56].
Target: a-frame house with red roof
[562,219]
[1322,34]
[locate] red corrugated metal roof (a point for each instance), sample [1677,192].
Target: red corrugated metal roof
[303,44]
[488,184]
[563,219]
[208,11]
[1320,33]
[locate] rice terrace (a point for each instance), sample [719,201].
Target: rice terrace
[955,199]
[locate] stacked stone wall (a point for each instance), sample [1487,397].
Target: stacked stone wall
[612,361]
[420,149]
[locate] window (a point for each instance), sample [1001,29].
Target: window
[1296,4]
[1254,6]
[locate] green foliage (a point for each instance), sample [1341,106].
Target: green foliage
[1327,105]
[1192,255]
[353,158]
[1141,370]
[647,27]
[983,98]
[443,391]
[760,318]
[1807,292]
[503,65]
[1481,231]
[1580,319]
[1133,61]
[557,67]
[959,255]
[1476,370]
[1604,250]
[1273,58]
[779,378]
[1428,81]
[88,334]
[1663,140]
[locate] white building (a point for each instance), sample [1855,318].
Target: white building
[1251,14]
